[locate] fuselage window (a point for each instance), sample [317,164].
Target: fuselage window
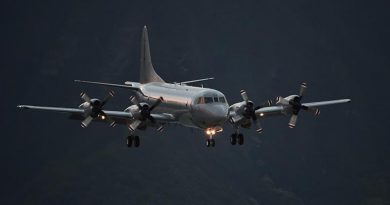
[208,100]
[215,99]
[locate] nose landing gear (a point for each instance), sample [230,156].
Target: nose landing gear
[210,142]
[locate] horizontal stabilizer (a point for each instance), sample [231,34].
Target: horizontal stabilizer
[111,85]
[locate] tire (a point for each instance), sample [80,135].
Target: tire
[136,141]
[212,142]
[233,139]
[240,139]
[129,141]
[208,142]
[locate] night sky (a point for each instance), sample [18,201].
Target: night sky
[340,48]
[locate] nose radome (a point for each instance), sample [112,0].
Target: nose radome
[220,111]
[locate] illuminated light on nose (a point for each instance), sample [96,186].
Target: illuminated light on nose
[208,132]
[103,117]
[213,132]
[261,114]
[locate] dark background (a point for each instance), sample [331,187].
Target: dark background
[340,48]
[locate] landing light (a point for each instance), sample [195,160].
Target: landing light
[103,117]
[210,131]
[261,114]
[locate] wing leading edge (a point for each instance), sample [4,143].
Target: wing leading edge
[119,116]
[278,110]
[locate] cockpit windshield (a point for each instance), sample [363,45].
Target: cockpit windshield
[209,99]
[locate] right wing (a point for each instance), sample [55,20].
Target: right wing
[120,117]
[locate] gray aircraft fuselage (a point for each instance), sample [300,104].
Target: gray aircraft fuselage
[192,106]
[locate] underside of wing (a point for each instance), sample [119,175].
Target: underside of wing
[120,117]
[269,111]
[323,103]
[53,109]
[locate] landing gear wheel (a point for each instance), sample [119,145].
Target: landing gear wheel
[233,139]
[240,139]
[129,141]
[136,141]
[212,142]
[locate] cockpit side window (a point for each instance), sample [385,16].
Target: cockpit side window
[222,99]
[200,100]
[208,100]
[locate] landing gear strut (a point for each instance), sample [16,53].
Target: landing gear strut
[133,140]
[210,142]
[237,138]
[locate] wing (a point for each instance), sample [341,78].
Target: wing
[120,117]
[55,109]
[280,109]
[323,103]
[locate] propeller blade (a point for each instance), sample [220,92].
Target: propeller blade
[244,95]
[160,128]
[86,121]
[235,118]
[254,117]
[293,121]
[108,97]
[85,105]
[302,89]
[151,119]
[259,129]
[85,97]
[135,102]
[112,122]
[314,111]
[267,103]
[158,102]
[133,126]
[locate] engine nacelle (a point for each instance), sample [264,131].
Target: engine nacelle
[235,112]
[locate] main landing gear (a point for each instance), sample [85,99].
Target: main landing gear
[133,140]
[237,138]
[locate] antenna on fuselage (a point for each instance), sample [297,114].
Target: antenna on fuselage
[198,80]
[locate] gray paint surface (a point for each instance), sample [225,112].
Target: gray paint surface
[340,48]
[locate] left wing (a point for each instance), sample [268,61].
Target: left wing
[282,109]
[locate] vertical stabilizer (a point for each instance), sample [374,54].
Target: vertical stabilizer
[147,73]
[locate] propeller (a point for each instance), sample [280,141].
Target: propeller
[249,110]
[144,111]
[296,105]
[93,108]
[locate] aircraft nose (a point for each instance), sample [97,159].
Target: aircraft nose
[219,112]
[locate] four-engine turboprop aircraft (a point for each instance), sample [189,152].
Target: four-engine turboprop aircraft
[156,103]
